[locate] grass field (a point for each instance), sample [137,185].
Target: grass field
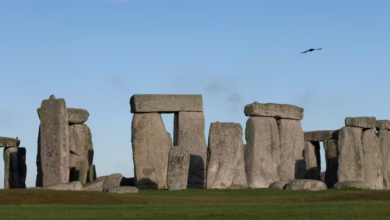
[195,204]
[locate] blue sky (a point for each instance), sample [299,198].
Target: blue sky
[97,53]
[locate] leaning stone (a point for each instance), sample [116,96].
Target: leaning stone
[226,148]
[349,185]
[123,190]
[313,160]
[332,162]
[372,169]
[178,166]
[96,186]
[278,185]
[9,142]
[53,146]
[274,110]
[15,169]
[383,125]
[113,180]
[321,135]
[361,122]
[306,185]
[151,144]
[81,152]
[350,155]
[76,185]
[91,173]
[384,143]
[292,147]
[166,103]
[77,116]
[262,152]
[189,133]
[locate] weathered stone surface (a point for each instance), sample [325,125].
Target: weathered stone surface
[96,186]
[53,146]
[77,115]
[292,147]
[151,144]
[350,155]
[383,125]
[349,185]
[123,190]
[372,169]
[166,103]
[113,180]
[307,185]
[278,185]
[274,110]
[15,169]
[262,152]
[313,160]
[332,162]
[384,144]
[178,166]
[226,148]
[9,142]
[76,185]
[321,135]
[102,178]
[81,152]
[361,122]
[189,134]
[91,173]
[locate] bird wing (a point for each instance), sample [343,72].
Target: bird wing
[305,51]
[320,48]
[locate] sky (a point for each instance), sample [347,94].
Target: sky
[96,54]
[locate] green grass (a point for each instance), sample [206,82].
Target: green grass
[196,204]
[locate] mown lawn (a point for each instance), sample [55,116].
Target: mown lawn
[195,204]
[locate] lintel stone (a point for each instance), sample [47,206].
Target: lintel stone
[383,125]
[283,111]
[166,103]
[321,135]
[361,122]
[9,142]
[77,115]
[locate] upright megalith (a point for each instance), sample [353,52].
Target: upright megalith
[81,152]
[226,157]
[372,169]
[292,148]
[332,163]
[262,152]
[384,144]
[151,144]
[178,166]
[15,169]
[312,159]
[189,133]
[53,144]
[351,159]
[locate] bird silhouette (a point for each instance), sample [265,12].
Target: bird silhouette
[311,50]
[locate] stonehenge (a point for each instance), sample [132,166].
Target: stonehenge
[277,154]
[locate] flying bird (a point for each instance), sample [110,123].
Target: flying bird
[311,50]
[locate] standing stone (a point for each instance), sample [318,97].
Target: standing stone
[350,155]
[92,173]
[292,146]
[189,133]
[313,160]
[226,149]
[262,152]
[178,166]
[15,168]
[372,169]
[332,163]
[384,143]
[53,142]
[151,144]
[81,152]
